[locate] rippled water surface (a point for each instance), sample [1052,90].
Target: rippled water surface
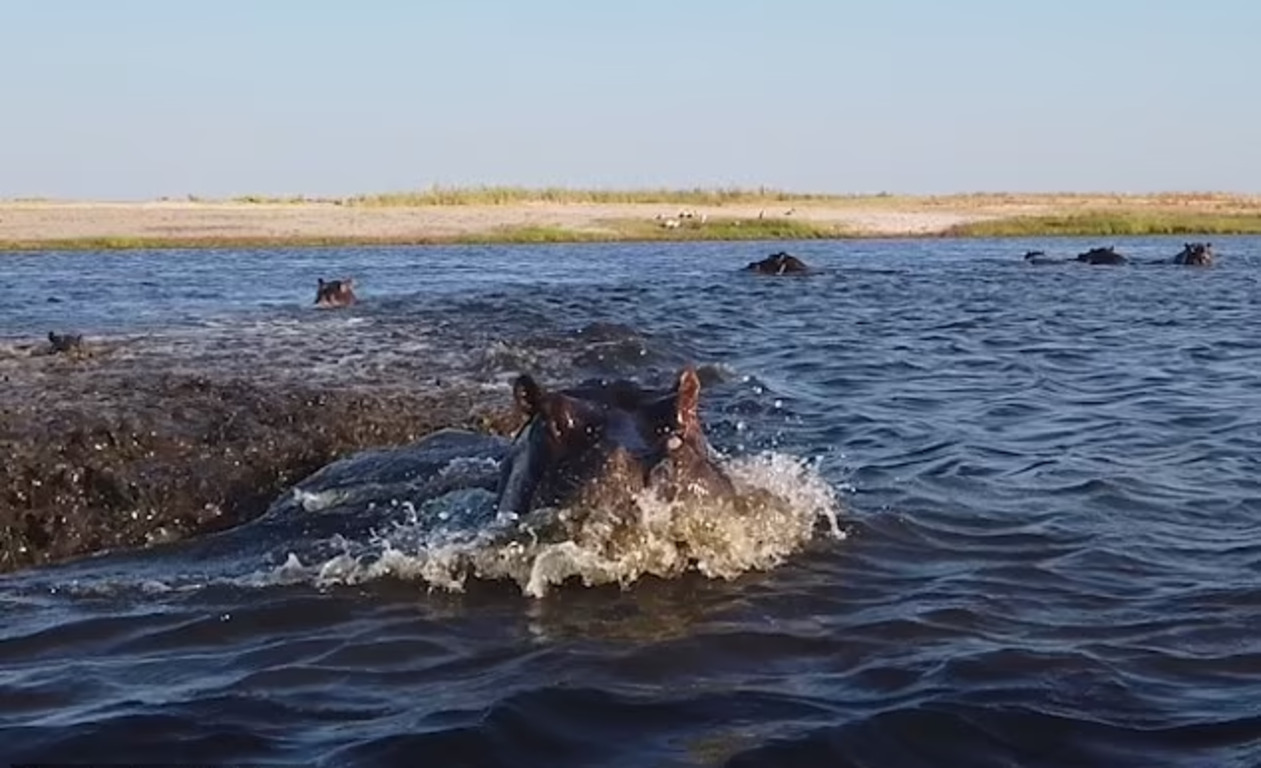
[1045,479]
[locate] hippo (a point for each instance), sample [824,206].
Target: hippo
[335,293]
[599,443]
[1040,257]
[1195,255]
[1101,256]
[64,343]
[778,264]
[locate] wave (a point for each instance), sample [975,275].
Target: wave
[780,504]
[425,513]
[977,735]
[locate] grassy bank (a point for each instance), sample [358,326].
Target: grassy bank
[718,196]
[123,226]
[636,230]
[621,230]
[437,195]
[517,195]
[734,229]
[508,195]
[141,243]
[1113,223]
[729,229]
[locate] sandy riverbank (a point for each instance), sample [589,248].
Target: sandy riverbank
[36,221]
[36,224]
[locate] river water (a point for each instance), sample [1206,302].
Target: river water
[1021,519]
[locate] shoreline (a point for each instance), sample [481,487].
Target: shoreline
[46,225]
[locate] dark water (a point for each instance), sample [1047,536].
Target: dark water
[1046,477]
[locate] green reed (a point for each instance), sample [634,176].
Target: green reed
[1113,223]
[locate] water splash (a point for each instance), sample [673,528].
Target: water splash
[782,502]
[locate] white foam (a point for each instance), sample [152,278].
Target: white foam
[780,503]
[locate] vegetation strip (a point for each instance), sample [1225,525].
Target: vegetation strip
[1113,223]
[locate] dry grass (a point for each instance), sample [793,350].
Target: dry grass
[496,195]
[1222,202]
[522,215]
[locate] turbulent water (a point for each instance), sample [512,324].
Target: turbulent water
[1015,518]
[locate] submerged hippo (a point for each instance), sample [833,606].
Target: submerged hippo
[335,293]
[601,442]
[64,342]
[1101,256]
[1195,255]
[778,264]
[1040,257]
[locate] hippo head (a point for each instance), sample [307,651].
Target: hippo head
[1195,255]
[600,443]
[335,293]
[778,264]
[1038,257]
[1101,256]
[64,342]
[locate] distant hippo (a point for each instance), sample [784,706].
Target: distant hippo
[601,442]
[778,264]
[1040,257]
[1101,256]
[335,293]
[64,343]
[1195,255]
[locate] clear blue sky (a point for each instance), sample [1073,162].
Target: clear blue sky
[126,99]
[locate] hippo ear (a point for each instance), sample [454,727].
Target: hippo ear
[562,414]
[564,417]
[528,395]
[321,281]
[687,400]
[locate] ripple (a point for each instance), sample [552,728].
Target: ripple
[1002,736]
[1050,498]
